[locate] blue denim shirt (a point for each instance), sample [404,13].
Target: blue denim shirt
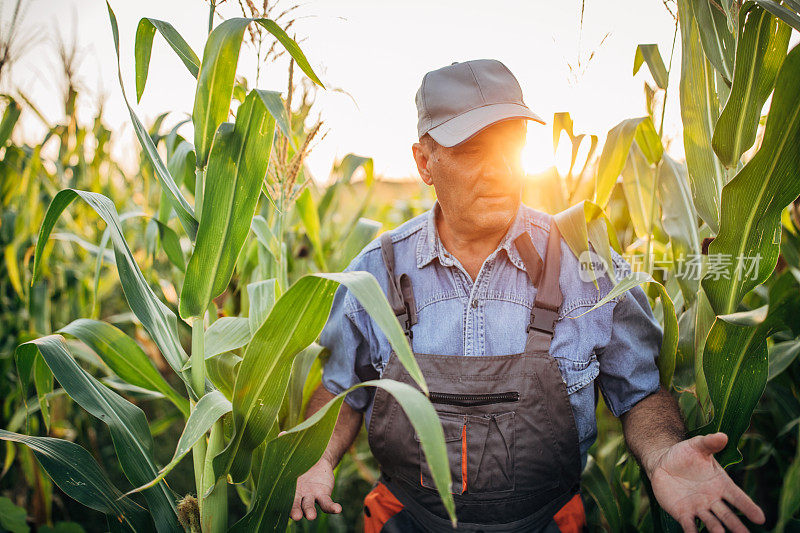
[617,343]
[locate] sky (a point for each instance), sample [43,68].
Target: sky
[371,55]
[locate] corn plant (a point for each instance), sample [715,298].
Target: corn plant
[730,199]
[29,179]
[237,399]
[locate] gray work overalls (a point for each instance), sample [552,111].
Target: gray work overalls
[508,424]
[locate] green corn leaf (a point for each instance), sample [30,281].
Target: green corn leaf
[168,239]
[351,163]
[124,357]
[221,370]
[736,366]
[704,321]
[274,104]
[43,379]
[158,319]
[182,207]
[789,16]
[156,127]
[262,296]
[226,334]
[265,236]
[144,45]
[172,139]
[291,411]
[563,122]
[12,517]
[583,224]
[669,342]
[327,200]
[781,356]
[310,217]
[599,488]
[10,117]
[638,181]
[290,45]
[790,498]
[12,268]
[763,41]
[615,152]
[364,231]
[298,449]
[699,113]
[718,41]
[126,422]
[649,53]
[679,219]
[75,472]
[752,201]
[294,323]
[238,164]
[215,84]
[207,411]
[170,244]
[217,75]
[181,165]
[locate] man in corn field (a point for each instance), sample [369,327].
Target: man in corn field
[487,292]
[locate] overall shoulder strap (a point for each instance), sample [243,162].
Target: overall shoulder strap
[401,293]
[548,297]
[401,299]
[530,257]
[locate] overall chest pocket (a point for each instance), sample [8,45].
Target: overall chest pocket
[480,449]
[455,427]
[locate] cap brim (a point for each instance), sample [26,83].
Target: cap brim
[459,129]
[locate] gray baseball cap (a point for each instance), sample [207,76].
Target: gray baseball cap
[457,101]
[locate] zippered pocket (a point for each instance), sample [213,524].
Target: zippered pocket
[469,400]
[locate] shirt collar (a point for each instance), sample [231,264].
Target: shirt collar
[430,246]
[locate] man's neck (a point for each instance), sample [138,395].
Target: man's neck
[470,247]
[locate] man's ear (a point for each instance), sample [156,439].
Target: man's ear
[421,156]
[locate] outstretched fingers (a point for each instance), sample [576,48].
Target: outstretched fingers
[712,524]
[305,505]
[308,507]
[742,501]
[728,517]
[687,523]
[327,504]
[296,513]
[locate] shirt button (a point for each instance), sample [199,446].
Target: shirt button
[474,303]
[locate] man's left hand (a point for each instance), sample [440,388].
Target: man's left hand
[688,481]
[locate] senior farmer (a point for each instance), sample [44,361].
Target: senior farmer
[484,286]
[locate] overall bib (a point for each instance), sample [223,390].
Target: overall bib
[510,434]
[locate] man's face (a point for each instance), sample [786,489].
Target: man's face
[478,182]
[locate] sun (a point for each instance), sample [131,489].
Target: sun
[537,154]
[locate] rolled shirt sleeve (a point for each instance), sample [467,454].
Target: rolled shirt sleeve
[343,338]
[628,371]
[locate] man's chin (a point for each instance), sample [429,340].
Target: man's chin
[495,212]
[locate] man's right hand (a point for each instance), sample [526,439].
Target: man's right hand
[316,485]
